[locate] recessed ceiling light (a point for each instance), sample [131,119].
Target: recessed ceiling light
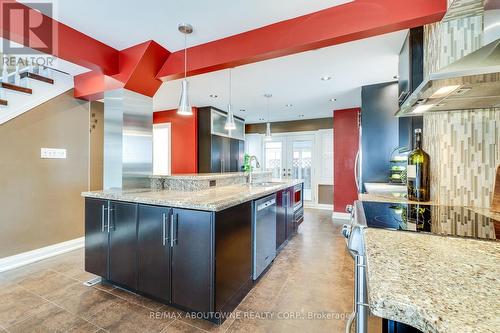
[213,95]
[301,116]
[332,99]
[325,78]
[261,119]
[243,110]
[288,105]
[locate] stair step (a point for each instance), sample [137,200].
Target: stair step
[36,77]
[3,102]
[13,87]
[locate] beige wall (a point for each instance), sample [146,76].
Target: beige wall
[40,198]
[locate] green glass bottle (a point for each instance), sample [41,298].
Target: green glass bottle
[418,174]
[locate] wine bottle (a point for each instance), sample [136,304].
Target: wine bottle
[418,175]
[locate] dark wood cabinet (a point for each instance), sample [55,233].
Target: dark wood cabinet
[290,223]
[192,253]
[217,153]
[237,151]
[123,243]
[282,206]
[153,251]
[233,255]
[96,237]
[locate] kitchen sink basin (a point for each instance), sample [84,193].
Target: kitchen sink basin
[266,184]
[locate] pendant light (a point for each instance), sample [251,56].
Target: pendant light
[230,125]
[268,136]
[184,105]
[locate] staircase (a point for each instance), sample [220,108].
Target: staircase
[24,87]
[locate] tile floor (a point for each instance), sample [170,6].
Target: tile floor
[312,276]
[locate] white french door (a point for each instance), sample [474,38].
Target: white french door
[291,157]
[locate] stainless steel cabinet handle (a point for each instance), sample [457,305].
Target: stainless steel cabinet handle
[102,218]
[164,225]
[175,230]
[172,230]
[109,216]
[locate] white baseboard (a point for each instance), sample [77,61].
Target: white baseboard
[341,216]
[30,257]
[318,206]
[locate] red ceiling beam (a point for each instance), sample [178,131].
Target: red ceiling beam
[67,43]
[138,66]
[336,25]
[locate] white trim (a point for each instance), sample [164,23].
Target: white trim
[30,257]
[317,206]
[341,216]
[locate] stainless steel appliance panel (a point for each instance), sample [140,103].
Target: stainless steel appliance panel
[264,234]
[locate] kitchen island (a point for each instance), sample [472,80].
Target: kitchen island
[434,283]
[188,248]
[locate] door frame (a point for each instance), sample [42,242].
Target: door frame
[287,138]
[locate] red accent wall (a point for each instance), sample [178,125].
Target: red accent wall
[345,147]
[184,139]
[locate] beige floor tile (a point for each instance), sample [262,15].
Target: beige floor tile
[18,304]
[136,299]
[178,326]
[51,318]
[45,282]
[82,300]
[124,316]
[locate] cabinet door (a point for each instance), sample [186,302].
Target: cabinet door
[123,244]
[237,150]
[226,155]
[96,237]
[216,155]
[281,208]
[192,254]
[290,225]
[153,251]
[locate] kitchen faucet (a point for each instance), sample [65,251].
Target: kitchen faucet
[257,165]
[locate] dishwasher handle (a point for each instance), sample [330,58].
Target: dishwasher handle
[266,204]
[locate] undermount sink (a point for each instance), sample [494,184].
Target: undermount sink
[265,184]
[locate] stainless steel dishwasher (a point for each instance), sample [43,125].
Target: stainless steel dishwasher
[264,234]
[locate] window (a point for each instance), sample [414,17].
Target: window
[161,149]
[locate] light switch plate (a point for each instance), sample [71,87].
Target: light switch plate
[55,153]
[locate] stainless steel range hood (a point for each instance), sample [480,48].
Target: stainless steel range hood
[472,82]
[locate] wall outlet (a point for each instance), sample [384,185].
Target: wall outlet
[54,153]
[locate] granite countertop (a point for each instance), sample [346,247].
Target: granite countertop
[434,283]
[214,199]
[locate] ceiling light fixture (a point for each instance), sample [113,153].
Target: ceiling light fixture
[332,99]
[213,95]
[184,105]
[230,125]
[268,136]
[288,105]
[326,78]
[243,110]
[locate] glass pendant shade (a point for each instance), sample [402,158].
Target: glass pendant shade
[184,105]
[268,136]
[230,125]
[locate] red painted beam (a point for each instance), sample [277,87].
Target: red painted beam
[67,43]
[138,66]
[336,25]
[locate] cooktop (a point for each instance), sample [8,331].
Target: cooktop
[442,220]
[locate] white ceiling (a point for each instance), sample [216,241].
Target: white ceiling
[124,23]
[296,80]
